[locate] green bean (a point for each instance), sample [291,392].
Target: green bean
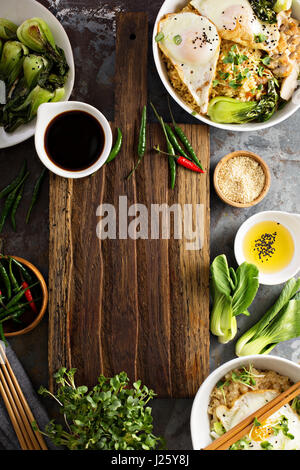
[15,207]
[6,280]
[35,193]
[15,182]
[10,201]
[116,148]
[185,141]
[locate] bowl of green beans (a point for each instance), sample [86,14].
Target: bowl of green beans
[23,296]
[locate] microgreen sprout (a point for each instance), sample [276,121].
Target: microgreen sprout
[110,416]
[246,377]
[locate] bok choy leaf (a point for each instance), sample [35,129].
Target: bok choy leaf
[232,293]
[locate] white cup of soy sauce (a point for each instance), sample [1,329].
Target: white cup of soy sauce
[72,139]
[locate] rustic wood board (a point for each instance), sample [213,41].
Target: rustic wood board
[136,305]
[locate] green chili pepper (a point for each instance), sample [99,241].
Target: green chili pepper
[14,183]
[35,193]
[142,136]
[15,207]
[27,276]
[171,151]
[19,295]
[142,141]
[10,201]
[14,309]
[185,141]
[13,280]
[6,280]
[175,143]
[116,148]
[13,316]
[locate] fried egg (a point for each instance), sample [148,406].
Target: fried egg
[281,431]
[192,44]
[236,21]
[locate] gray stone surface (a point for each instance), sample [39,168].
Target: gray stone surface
[91,27]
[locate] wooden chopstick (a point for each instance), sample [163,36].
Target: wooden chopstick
[244,427]
[33,438]
[10,395]
[29,431]
[12,416]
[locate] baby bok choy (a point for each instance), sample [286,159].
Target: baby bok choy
[232,111]
[232,293]
[37,36]
[11,62]
[280,323]
[8,30]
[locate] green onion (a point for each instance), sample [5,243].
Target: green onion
[177,39]
[159,36]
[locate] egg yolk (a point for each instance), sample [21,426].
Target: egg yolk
[231,16]
[262,432]
[195,48]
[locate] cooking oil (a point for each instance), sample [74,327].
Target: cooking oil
[269,245]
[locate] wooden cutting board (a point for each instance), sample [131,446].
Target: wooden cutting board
[136,305]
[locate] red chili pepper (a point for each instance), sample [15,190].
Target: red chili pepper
[183,161]
[28,296]
[188,164]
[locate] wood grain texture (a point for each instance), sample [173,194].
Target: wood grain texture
[136,305]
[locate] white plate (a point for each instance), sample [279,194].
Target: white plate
[19,11]
[171,6]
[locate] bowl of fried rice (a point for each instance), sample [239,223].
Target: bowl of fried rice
[233,380]
[248,80]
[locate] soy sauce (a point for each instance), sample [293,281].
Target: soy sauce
[74,140]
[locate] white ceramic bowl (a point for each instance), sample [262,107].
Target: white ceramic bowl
[171,6]
[292,223]
[46,113]
[19,11]
[200,429]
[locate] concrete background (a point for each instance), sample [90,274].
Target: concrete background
[90,25]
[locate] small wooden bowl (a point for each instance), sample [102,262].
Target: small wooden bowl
[44,301]
[243,153]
